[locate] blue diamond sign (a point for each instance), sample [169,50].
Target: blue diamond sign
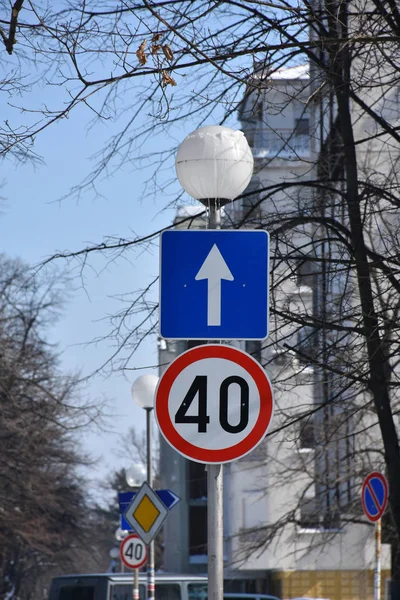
[214,284]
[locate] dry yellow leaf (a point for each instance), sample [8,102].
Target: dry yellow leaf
[169,55]
[167,79]
[141,54]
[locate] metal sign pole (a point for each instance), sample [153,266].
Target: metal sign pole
[135,594]
[374,498]
[150,563]
[215,519]
[378,547]
[215,532]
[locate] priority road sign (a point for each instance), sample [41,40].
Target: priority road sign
[167,497]
[214,403]
[214,284]
[374,496]
[133,552]
[146,513]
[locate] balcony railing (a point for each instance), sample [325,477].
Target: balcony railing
[283,143]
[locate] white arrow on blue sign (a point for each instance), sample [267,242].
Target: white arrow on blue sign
[214,284]
[167,497]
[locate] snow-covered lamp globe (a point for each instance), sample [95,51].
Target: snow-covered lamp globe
[114,553]
[120,534]
[143,392]
[135,475]
[143,389]
[214,164]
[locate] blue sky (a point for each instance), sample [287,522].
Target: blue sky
[34,225]
[38,219]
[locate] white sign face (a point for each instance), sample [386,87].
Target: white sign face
[214,403]
[133,552]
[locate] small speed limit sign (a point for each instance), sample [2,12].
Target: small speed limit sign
[133,552]
[214,403]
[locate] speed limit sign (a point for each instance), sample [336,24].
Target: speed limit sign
[214,403]
[133,551]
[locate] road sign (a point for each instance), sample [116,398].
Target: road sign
[374,496]
[214,284]
[133,552]
[214,403]
[167,497]
[146,513]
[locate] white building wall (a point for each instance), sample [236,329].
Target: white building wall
[263,497]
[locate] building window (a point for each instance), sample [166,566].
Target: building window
[194,343]
[197,530]
[331,520]
[312,518]
[301,136]
[306,273]
[253,348]
[197,480]
[302,126]
[307,436]
[306,344]
[281,357]
[308,514]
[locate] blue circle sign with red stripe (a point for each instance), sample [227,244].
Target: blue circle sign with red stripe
[374,496]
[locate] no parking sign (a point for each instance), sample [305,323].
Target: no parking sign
[374,496]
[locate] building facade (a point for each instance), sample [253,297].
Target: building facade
[293,523]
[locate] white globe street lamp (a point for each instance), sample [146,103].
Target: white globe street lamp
[214,164]
[135,475]
[114,553]
[143,391]
[120,534]
[114,556]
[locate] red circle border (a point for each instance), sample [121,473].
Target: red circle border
[129,537]
[383,480]
[266,403]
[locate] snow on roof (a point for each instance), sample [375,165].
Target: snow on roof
[189,211]
[297,72]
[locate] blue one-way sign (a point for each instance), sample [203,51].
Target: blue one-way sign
[167,497]
[214,284]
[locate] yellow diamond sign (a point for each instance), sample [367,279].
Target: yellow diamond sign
[146,513]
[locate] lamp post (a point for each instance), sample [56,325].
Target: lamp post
[214,164]
[135,476]
[114,556]
[143,390]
